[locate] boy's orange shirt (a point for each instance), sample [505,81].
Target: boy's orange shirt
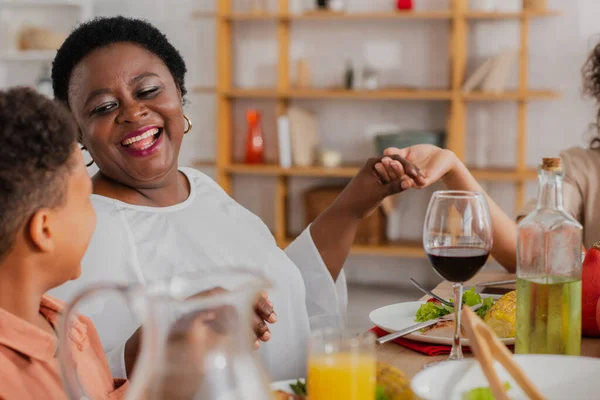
[29,367]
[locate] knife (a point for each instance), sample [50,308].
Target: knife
[416,327]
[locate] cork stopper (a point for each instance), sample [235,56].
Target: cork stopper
[552,164]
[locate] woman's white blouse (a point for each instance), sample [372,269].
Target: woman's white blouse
[208,230]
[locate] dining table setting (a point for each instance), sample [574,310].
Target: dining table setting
[413,361]
[482,333]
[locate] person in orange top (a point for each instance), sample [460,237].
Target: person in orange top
[46,224]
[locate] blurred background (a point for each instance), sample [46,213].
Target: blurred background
[307,90]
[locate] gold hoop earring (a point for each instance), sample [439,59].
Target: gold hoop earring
[189,127]
[83,148]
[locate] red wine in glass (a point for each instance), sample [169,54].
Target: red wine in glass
[457,264]
[457,238]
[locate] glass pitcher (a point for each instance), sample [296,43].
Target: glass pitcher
[196,337]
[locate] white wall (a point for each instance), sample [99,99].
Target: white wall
[407,53]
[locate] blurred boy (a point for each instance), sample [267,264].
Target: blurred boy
[46,223]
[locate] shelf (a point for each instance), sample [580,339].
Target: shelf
[388,94]
[40,3]
[418,15]
[383,94]
[509,15]
[29,55]
[389,249]
[330,16]
[374,16]
[266,93]
[511,95]
[509,175]
[254,16]
[272,169]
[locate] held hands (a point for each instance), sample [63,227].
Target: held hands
[400,169]
[377,179]
[433,162]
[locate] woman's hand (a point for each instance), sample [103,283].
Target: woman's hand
[433,162]
[377,179]
[436,164]
[334,231]
[263,313]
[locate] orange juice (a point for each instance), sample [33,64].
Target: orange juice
[342,376]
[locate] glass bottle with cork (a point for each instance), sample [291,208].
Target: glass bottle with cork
[549,243]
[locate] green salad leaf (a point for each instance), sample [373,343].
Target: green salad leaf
[470,298]
[433,310]
[299,388]
[482,393]
[488,302]
[430,311]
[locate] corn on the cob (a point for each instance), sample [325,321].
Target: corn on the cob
[395,383]
[501,317]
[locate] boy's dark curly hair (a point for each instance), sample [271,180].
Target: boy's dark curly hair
[591,87]
[104,31]
[37,139]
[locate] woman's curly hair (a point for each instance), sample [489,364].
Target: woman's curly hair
[104,31]
[591,88]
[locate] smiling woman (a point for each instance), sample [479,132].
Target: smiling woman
[124,83]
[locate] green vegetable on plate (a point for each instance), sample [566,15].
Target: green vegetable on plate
[433,309]
[299,388]
[482,393]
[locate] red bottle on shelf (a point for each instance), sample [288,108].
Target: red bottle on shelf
[255,141]
[404,5]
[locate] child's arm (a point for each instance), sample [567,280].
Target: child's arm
[439,164]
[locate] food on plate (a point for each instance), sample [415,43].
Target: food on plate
[392,384]
[590,291]
[299,388]
[502,316]
[482,393]
[488,348]
[434,309]
[441,329]
[281,395]
[499,315]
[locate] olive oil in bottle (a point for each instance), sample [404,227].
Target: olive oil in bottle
[549,272]
[549,316]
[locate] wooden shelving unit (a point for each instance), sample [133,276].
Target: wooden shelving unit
[459,18]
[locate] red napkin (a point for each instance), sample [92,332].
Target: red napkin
[424,348]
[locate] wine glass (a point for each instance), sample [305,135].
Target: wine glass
[457,237]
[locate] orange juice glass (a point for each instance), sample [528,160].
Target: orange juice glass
[341,367]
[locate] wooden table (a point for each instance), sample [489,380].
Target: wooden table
[411,362]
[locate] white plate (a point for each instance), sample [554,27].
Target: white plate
[398,316]
[557,377]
